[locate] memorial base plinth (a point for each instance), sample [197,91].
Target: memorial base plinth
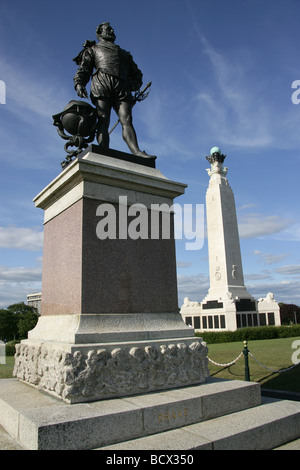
[81,358]
[89,372]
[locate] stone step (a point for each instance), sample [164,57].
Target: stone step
[293,445]
[7,442]
[216,415]
[39,421]
[265,427]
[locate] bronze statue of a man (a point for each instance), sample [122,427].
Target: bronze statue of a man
[116,75]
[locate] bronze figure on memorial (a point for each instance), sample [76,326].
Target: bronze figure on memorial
[114,76]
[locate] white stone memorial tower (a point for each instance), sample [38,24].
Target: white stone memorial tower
[228,305]
[225,261]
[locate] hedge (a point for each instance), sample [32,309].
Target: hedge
[10,349]
[242,334]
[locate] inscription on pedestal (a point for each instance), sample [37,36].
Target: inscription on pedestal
[172,415]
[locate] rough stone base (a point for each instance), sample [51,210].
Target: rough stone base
[89,372]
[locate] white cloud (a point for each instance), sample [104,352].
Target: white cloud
[21,238]
[162,121]
[292,233]
[183,264]
[245,206]
[269,258]
[11,293]
[194,286]
[29,94]
[257,277]
[233,106]
[289,270]
[237,109]
[20,274]
[284,291]
[32,97]
[17,282]
[258,225]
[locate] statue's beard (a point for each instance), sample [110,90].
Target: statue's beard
[108,36]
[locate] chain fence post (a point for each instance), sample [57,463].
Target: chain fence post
[247,370]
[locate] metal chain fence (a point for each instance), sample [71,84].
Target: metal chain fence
[247,353]
[226,365]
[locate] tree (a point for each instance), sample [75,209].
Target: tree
[289,313]
[27,322]
[16,320]
[20,308]
[8,325]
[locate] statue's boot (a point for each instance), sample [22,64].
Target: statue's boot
[143,154]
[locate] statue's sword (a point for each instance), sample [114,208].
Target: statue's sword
[138,96]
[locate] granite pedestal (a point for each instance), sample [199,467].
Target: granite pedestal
[109,324]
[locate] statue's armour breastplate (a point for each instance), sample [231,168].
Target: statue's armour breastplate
[111,60]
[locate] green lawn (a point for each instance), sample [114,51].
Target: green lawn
[6,370]
[275,354]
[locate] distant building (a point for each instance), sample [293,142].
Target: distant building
[228,305]
[35,300]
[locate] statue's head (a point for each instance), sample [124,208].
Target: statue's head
[105,31]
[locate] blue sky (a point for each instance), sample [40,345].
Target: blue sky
[222,75]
